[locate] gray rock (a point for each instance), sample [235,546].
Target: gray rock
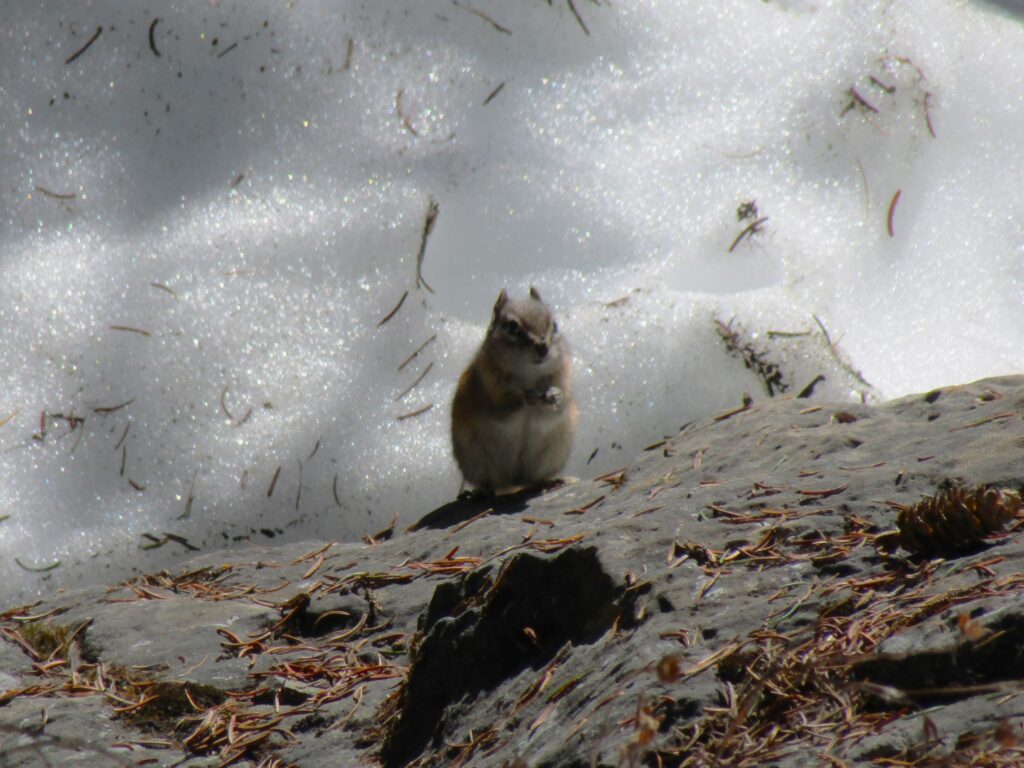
[732,595]
[180,631]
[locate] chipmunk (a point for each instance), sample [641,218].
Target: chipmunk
[513,415]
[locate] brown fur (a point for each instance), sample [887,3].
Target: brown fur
[513,415]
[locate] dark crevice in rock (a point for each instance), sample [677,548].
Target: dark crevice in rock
[49,639]
[832,568]
[316,722]
[952,671]
[305,617]
[279,695]
[321,620]
[671,711]
[167,703]
[478,633]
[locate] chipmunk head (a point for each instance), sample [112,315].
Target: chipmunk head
[525,330]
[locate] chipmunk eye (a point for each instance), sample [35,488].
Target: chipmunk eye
[512,328]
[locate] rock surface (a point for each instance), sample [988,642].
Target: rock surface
[735,596]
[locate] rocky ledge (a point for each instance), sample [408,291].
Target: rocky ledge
[785,584]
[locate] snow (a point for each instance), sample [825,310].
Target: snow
[200,239]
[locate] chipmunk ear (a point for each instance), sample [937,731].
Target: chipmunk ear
[501,302]
[535,294]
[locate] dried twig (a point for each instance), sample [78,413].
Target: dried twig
[152,37]
[413,386]
[349,50]
[579,19]
[749,231]
[164,288]
[858,102]
[394,311]
[428,226]
[406,120]
[755,360]
[484,16]
[419,349]
[928,113]
[892,210]
[85,47]
[493,93]
[837,356]
[112,408]
[414,414]
[130,329]
[187,512]
[273,481]
[56,195]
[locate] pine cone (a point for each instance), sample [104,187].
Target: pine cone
[956,519]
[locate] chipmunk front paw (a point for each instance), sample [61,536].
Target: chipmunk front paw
[552,396]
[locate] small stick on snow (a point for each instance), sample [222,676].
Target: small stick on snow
[412,386]
[394,311]
[187,513]
[56,195]
[833,347]
[419,349]
[413,414]
[892,210]
[890,89]
[428,225]
[493,93]
[273,481]
[112,408]
[579,19]
[484,16]
[162,287]
[867,189]
[928,113]
[152,38]
[348,55]
[858,101]
[130,329]
[406,121]
[751,229]
[85,47]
